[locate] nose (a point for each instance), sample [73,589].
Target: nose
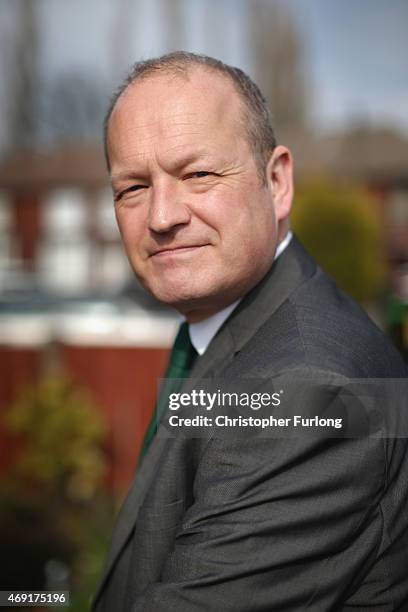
[166,209]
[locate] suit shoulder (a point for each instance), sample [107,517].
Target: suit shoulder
[333,326]
[321,327]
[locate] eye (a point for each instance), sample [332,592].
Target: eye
[130,189]
[200,174]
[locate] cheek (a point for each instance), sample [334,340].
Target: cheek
[131,228]
[244,227]
[256,245]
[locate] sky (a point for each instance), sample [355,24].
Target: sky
[358,51]
[355,50]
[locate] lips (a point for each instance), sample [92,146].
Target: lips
[176,250]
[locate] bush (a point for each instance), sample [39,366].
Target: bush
[53,506]
[339,225]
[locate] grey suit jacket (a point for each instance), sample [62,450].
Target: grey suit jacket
[260,524]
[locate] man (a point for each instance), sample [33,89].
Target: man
[202,197]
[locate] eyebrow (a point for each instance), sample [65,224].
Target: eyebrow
[178,164]
[190,158]
[124,176]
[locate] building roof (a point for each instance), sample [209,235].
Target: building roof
[359,153]
[69,165]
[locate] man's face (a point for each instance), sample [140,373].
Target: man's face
[198,224]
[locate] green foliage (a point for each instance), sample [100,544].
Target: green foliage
[61,432]
[339,225]
[53,505]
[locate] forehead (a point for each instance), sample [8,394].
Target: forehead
[166,106]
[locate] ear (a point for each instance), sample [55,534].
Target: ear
[279,177]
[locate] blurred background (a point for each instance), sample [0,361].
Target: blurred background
[81,345]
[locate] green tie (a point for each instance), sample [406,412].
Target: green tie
[181,361]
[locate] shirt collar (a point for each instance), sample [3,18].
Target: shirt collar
[202,332]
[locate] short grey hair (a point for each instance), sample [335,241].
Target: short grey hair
[257,118]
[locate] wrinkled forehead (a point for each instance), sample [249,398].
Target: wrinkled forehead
[199,96]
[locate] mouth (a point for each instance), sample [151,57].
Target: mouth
[177,251]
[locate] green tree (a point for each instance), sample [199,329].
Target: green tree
[61,432]
[340,226]
[53,506]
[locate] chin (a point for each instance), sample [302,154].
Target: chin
[183,296]
[181,301]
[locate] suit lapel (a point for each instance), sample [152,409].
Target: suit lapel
[291,268]
[218,352]
[127,516]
